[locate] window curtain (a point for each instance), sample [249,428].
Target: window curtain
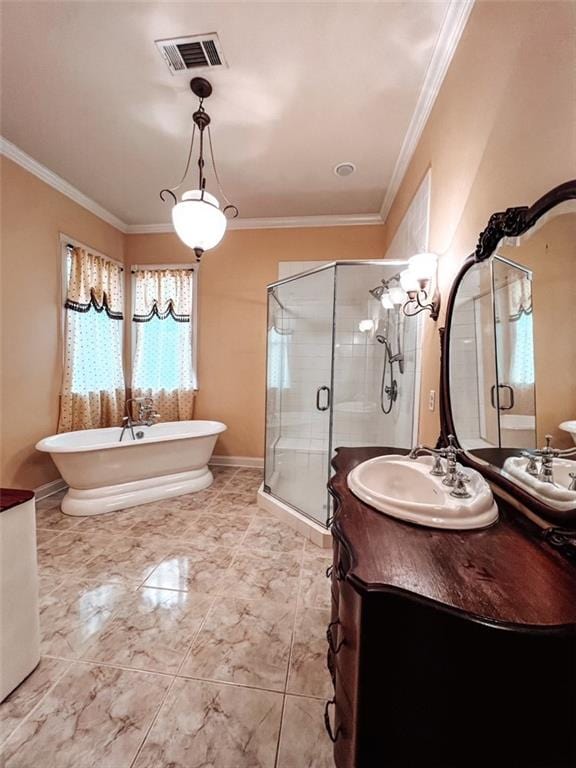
[162,367]
[93,393]
[516,341]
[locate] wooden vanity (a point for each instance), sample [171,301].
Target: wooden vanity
[447,649]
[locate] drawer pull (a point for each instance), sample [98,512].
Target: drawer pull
[329,571]
[333,647]
[333,736]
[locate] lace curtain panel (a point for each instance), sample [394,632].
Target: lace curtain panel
[163,361]
[93,393]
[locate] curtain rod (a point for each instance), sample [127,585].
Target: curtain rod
[161,267]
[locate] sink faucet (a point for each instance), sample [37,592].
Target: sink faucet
[546,455]
[147,416]
[450,453]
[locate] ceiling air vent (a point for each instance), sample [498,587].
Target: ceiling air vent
[198,52]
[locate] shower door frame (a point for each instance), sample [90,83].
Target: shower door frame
[269,289]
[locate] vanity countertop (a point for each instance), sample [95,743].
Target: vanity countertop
[11,497]
[500,575]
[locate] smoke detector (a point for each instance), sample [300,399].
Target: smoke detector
[182,54]
[344,169]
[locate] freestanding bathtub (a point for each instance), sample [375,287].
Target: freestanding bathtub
[104,474]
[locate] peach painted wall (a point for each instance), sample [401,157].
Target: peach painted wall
[501,133]
[232,313]
[32,216]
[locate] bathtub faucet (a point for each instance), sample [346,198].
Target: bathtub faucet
[147,416]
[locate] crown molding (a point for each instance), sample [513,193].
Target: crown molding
[452,28]
[280,222]
[17,155]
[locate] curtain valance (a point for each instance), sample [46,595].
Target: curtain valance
[519,297]
[94,282]
[163,293]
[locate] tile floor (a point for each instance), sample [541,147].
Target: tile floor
[188,633]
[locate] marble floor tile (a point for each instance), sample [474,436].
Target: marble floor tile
[241,498]
[245,473]
[218,469]
[69,552]
[224,508]
[171,523]
[152,630]
[308,674]
[48,583]
[270,534]
[43,535]
[191,568]
[315,586]
[197,502]
[209,530]
[52,517]
[26,696]
[304,742]
[127,558]
[113,523]
[74,613]
[255,574]
[211,725]
[221,482]
[95,717]
[242,485]
[245,642]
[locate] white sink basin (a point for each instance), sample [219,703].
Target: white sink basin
[570,427]
[404,488]
[557,496]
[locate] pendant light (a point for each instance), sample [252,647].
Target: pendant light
[198,219]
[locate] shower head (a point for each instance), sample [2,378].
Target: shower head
[377,292]
[397,358]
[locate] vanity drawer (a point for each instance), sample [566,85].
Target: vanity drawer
[339,721]
[343,637]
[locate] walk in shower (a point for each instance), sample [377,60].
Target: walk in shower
[341,371]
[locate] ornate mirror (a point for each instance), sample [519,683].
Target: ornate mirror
[509,357]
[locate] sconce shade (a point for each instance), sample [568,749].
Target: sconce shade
[409,281]
[397,295]
[423,265]
[386,301]
[199,223]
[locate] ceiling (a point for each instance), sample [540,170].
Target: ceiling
[86,93]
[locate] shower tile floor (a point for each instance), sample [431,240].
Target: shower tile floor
[184,633]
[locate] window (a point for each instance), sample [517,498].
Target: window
[93,392]
[164,340]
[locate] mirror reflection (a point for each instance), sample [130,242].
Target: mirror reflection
[513,343]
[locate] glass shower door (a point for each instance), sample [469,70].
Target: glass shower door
[298,391]
[513,394]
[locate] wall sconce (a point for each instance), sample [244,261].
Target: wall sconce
[420,281]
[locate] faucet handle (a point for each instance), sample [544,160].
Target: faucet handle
[531,465]
[459,490]
[437,468]
[452,446]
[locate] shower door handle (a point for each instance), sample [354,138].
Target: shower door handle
[511,400]
[319,394]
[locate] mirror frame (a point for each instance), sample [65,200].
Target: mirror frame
[512,222]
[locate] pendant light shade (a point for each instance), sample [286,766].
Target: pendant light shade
[198,220]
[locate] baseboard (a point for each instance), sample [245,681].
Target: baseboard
[253,462]
[49,489]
